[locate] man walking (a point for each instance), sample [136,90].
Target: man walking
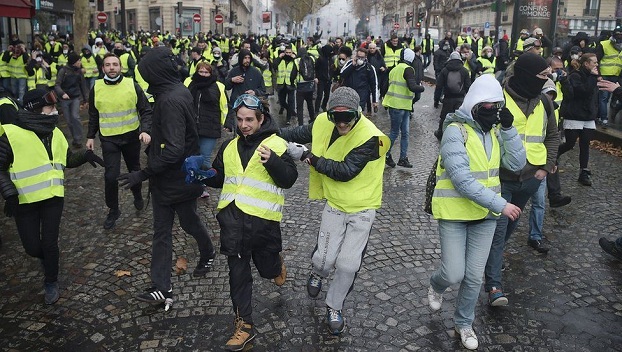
[174,137]
[120,113]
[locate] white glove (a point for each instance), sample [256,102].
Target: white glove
[296,150]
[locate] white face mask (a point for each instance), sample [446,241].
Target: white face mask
[39,59]
[488,55]
[65,52]
[216,55]
[360,61]
[342,61]
[574,57]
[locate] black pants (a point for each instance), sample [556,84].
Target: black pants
[268,265]
[38,225]
[286,99]
[162,246]
[301,98]
[112,153]
[585,136]
[449,105]
[323,93]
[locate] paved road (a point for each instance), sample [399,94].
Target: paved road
[568,300]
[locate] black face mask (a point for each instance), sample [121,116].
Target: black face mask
[527,86]
[486,118]
[119,52]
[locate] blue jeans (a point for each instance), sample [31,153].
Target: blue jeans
[207,145]
[536,215]
[464,249]
[90,81]
[603,99]
[18,88]
[71,110]
[400,121]
[517,193]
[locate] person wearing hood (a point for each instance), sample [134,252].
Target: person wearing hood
[453,81]
[220,66]
[286,87]
[503,55]
[174,137]
[346,167]
[304,75]
[581,40]
[427,47]
[478,139]
[399,101]
[127,61]
[323,73]
[243,79]
[441,56]
[33,155]
[534,118]
[90,64]
[610,65]
[71,87]
[249,216]
[120,113]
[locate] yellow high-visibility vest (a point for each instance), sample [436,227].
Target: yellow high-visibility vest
[116,104]
[487,65]
[90,67]
[611,63]
[284,72]
[17,67]
[531,129]
[391,57]
[398,96]
[35,176]
[38,78]
[449,204]
[252,188]
[363,191]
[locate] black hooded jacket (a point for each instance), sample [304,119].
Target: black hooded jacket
[43,126]
[441,80]
[323,63]
[173,131]
[206,96]
[253,79]
[241,233]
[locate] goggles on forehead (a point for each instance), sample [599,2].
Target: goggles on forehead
[249,101]
[48,99]
[346,116]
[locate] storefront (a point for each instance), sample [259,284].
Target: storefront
[53,15]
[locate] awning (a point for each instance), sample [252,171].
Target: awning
[16,9]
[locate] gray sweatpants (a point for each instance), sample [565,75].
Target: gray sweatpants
[341,244]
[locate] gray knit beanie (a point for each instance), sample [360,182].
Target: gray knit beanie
[344,96]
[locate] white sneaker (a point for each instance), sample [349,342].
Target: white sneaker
[434,299]
[468,338]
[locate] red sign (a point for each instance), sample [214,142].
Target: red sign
[196,18]
[102,17]
[219,18]
[396,26]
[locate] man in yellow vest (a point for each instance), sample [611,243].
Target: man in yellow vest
[252,169]
[347,163]
[16,59]
[33,156]
[399,102]
[391,52]
[120,113]
[127,61]
[609,54]
[285,85]
[534,118]
[467,200]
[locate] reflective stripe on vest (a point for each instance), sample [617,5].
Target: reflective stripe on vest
[487,65]
[284,72]
[252,188]
[363,191]
[449,204]
[267,77]
[17,67]
[35,176]
[611,63]
[116,104]
[531,129]
[391,57]
[398,95]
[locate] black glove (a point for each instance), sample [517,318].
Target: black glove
[93,159]
[506,118]
[131,179]
[10,205]
[436,104]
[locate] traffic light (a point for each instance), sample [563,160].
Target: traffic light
[421,17]
[180,6]
[409,17]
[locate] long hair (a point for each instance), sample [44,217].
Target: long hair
[577,64]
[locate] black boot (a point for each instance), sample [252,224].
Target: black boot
[404,163]
[585,177]
[389,161]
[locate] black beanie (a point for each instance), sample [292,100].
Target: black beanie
[530,64]
[72,58]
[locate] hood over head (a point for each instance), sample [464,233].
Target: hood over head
[302,51]
[579,37]
[242,54]
[326,51]
[159,69]
[485,88]
[455,56]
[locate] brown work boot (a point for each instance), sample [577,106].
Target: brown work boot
[243,334]
[280,280]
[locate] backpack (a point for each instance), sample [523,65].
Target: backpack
[431,182]
[454,82]
[306,68]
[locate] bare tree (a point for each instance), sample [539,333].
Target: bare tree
[81,23]
[450,13]
[297,10]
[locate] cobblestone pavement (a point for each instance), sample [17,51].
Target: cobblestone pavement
[568,300]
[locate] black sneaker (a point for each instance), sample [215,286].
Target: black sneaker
[314,285]
[585,177]
[404,163]
[51,292]
[335,321]
[203,267]
[389,161]
[559,201]
[111,219]
[538,245]
[153,295]
[610,248]
[438,134]
[139,204]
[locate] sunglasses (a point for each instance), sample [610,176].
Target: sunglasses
[249,101]
[345,116]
